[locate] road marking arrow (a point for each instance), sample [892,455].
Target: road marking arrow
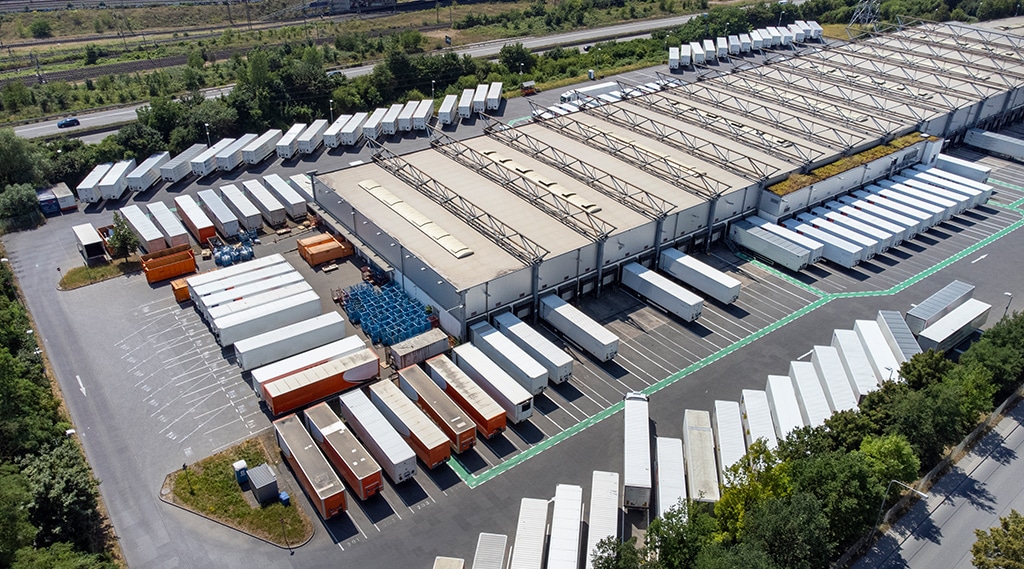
[979,258]
[81,387]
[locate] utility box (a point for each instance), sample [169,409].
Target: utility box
[263,482]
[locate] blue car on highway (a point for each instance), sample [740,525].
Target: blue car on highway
[67,122]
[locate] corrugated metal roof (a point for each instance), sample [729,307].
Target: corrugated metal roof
[262,476]
[528,548]
[898,334]
[671,481]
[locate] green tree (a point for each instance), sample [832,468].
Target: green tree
[882,405]
[1001,547]
[760,476]
[93,53]
[17,200]
[614,554]
[139,140]
[972,386]
[926,368]
[793,531]
[161,114]
[123,241]
[679,536]
[805,441]
[512,55]
[63,497]
[739,556]
[40,28]
[847,489]
[28,413]
[60,556]
[1005,362]
[19,159]
[890,457]
[15,530]
[849,427]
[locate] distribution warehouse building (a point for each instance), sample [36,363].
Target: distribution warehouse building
[561,203]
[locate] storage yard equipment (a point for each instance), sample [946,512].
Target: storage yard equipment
[373,127]
[343,450]
[884,239]
[836,250]
[480,98]
[757,418]
[312,470]
[868,245]
[115,181]
[490,551]
[556,361]
[146,174]
[353,129]
[89,243]
[513,398]
[669,472]
[898,335]
[181,165]
[421,117]
[604,512]
[810,394]
[258,299]
[697,51]
[405,117]
[288,145]
[510,357]
[636,491]
[531,529]
[389,124]
[332,136]
[231,157]
[170,226]
[264,375]
[426,439]
[828,365]
[782,401]
[494,96]
[194,218]
[883,361]
[293,203]
[271,209]
[219,213]
[815,248]
[856,363]
[318,383]
[448,113]
[662,292]
[266,317]
[699,452]
[933,308]
[965,168]
[704,278]
[258,150]
[485,412]
[593,338]
[419,348]
[380,438]
[452,420]
[206,162]
[466,103]
[248,215]
[899,232]
[730,439]
[285,342]
[955,327]
[769,245]
[302,184]
[145,230]
[325,249]
[566,520]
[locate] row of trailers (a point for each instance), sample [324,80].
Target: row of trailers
[855,227]
[486,97]
[708,51]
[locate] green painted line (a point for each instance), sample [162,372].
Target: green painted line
[788,278]
[1006,184]
[516,121]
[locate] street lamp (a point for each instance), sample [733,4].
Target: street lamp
[520,67]
[885,497]
[780,18]
[207,125]
[431,88]
[890,372]
[331,103]
[1009,299]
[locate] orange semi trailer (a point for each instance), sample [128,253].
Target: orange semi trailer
[426,439]
[355,465]
[489,417]
[312,470]
[453,421]
[314,384]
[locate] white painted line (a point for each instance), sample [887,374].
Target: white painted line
[81,386]
[979,258]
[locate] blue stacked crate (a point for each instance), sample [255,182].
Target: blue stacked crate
[387,315]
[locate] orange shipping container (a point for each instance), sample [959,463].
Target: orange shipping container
[453,421]
[342,448]
[320,254]
[180,289]
[426,439]
[314,384]
[489,417]
[169,266]
[315,240]
[312,470]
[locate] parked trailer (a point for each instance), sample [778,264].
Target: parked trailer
[556,361]
[513,398]
[685,55]
[480,98]
[745,43]
[424,437]
[637,457]
[293,203]
[374,127]
[405,117]
[313,136]
[855,362]
[389,124]
[264,318]
[697,52]
[466,103]
[490,551]
[777,36]
[933,308]
[311,469]
[730,439]
[955,327]
[288,145]
[668,470]
[662,292]
[836,250]
[270,208]
[263,376]
[332,136]
[177,168]
[898,335]
[898,232]
[722,45]
[259,149]
[253,300]
[963,168]
[206,163]
[65,197]
[228,272]
[868,244]
[785,408]
[510,357]
[710,54]
[485,412]
[146,174]
[194,218]
[380,438]
[531,529]
[756,42]
[797,32]
[231,157]
[960,202]
[828,365]
[815,248]
[810,395]
[248,216]
[419,348]
[494,95]
[816,29]
[734,44]
[422,115]
[578,327]
[219,213]
[902,202]
[115,181]
[285,342]
[884,239]
[448,112]
[353,129]
[604,512]
[144,229]
[344,451]
[947,208]
[926,219]
[787,35]
[704,278]
[976,195]
[699,453]
[302,184]
[757,418]
[566,523]
[459,429]
[89,243]
[673,58]
[883,361]
[170,226]
[209,296]
[769,245]
[913,225]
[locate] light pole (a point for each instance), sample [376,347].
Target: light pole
[312,183]
[520,67]
[284,533]
[431,88]
[331,103]
[207,125]
[881,508]
[780,18]
[1009,299]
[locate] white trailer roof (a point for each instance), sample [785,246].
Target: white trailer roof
[566,518]
[337,125]
[637,471]
[283,191]
[185,157]
[729,437]
[490,551]
[237,146]
[316,128]
[604,512]
[307,359]
[834,379]
[855,362]
[699,450]
[971,311]
[757,418]
[814,406]
[898,335]
[143,225]
[149,164]
[217,207]
[424,109]
[671,481]
[390,443]
[87,234]
[784,405]
[232,194]
[883,360]
[292,133]
[234,270]
[406,417]
[944,300]
[448,104]
[531,529]
[354,124]
[272,134]
[231,295]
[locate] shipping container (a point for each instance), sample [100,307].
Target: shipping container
[913,224]
[955,327]
[636,491]
[668,471]
[604,513]
[219,213]
[288,144]
[757,418]
[466,103]
[697,52]
[193,217]
[421,117]
[510,358]
[835,382]
[898,335]
[494,95]
[170,226]
[309,359]
[769,245]
[146,174]
[206,163]
[373,127]
[531,530]
[899,232]
[490,551]
[90,245]
[836,250]
[566,523]
[419,348]
[65,197]
[815,248]
[384,443]
[947,208]
[513,398]
[578,327]
[710,54]
[810,394]
[734,45]
[856,363]
[317,383]
[546,353]
[963,168]
[288,341]
[448,113]
[456,425]
[883,361]
[270,208]
[745,43]
[293,203]
[115,181]
[662,292]
[248,215]
[785,408]
[168,264]
[266,317]
[884,239]
[424,437]
[353,129]
[869,245]
[332,136]
[253,300]
[302,184]
[311,469]
[231,157]
[480,98]
[931,309]
[730,440]
[150,238]
[342,449]
[704,278]
[258,150]
[405,116]
[699,453]
[685,56]
[485,412]
[180,166]
[976,195]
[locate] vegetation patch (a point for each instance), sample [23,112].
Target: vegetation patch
[82,276]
